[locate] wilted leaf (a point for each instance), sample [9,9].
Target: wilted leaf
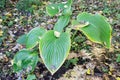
[54,50]
[25,59]
[98,30]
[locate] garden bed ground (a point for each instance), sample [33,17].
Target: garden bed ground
[90,61]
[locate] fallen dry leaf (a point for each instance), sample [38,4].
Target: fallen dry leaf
[1,33]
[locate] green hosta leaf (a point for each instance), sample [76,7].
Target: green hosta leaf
[98,30]
[22,39]
[10,23]
[118,58]
[33,37]
[52,9]
[69,2]
[67,11]
[31,77]
[67,8]
[54,50]
[25,59]
[74,22]
[61,23]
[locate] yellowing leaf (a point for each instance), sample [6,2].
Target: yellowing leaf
[8,14]
[110,73]
[1,33]
[1,20]
[44,2]
[34,6]
[88,71]
[118,78]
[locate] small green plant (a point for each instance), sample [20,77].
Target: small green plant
[2,3]
[27,5]
[72,61]
[54,45]
[118,58]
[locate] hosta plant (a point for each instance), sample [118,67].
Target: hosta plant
[54,45]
